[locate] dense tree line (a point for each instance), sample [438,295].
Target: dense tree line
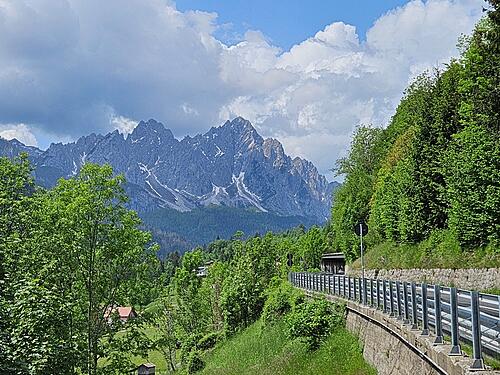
[436,167]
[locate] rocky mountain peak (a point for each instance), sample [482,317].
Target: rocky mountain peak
[230,165]
[151,129]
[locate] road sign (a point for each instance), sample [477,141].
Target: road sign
[361,229]
[290,260]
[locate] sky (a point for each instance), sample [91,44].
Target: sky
[304,72]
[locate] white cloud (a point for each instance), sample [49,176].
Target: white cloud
[21,132]
[336,82]
[123,124]
[149,60]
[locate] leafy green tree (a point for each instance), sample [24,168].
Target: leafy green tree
[351,200]
[96,255]
[473,179]
[313,321]
[192,304]
[166,331]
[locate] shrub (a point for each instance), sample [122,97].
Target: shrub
[208,341]
[188,345]
[312,321]
[195,363]
[281,299]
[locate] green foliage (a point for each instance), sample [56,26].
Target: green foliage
[208,341]
[351,200]
[440,250]
[312,321]
[203,225]
[282,297]
[192,305]
[474,167]
[242,296]
[188,344]
[435,168]
[70,254]
[194,363]
[267,350]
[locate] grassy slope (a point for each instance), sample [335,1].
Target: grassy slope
[431,253]
[262,351]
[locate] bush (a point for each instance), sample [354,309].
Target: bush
[188,345]
[208,341]
[195,363]
[312,321]
[281,299]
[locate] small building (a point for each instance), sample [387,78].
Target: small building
[146,369]
[333,263]
[124,313]
[203,270]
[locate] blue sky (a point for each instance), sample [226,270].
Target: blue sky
[303,72]
[289,22]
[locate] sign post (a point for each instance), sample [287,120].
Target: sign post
[361,229]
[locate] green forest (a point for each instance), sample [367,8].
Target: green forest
[170,228]
[428,185]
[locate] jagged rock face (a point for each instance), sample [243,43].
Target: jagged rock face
[229,165]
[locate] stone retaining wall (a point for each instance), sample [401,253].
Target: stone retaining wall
[395,349]
[471,279]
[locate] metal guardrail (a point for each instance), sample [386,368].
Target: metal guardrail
[466,316]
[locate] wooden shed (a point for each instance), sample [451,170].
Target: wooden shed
[333,263]
[146,369]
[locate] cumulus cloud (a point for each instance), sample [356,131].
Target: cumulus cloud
[76,66]
[123,124]
[21,132]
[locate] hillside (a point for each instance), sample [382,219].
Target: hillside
[268,350]
[180,231]
[428,185]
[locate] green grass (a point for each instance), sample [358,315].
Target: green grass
[267,350]
[492,362]
[438,251]
[495,291]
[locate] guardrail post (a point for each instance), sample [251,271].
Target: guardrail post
[360,290]
[398,299]
[354,294]
[378,293]
[414,307]
[391,296]
[343,286]
[384,291]
[365,293]
[477,359]
[371,292]
[349,286]
[455,345]
[405,301]
[425,313]
[437,315]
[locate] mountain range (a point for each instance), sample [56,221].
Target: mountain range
[229,166]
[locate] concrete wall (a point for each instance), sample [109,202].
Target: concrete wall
[472,279]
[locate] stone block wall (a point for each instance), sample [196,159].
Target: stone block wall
[471,279]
